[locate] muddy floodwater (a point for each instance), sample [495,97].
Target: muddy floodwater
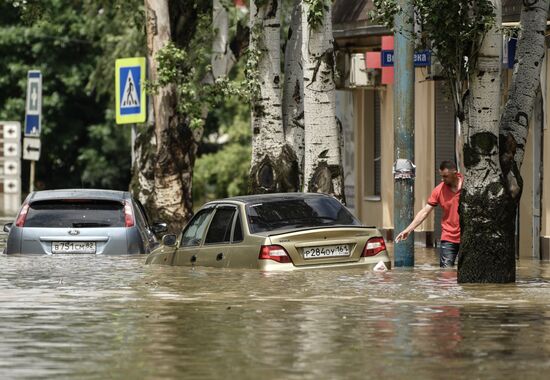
[93,317]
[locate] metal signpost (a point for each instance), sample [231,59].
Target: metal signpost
[10,169]
[33,116]
[131,102]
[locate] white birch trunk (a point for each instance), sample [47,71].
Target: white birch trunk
[266,119]
[222,56]
[487,214]
[293,104]
[523,91]
[482,112]
[322,157]
[492,188]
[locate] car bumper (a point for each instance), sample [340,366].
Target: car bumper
[377,263]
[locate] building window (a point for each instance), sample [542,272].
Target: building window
[377,154]
[372,157]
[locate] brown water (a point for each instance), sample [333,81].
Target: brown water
[91,317]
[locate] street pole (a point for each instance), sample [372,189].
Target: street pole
[31,180]
[133,142]
[403,121]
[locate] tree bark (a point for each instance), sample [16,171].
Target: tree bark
[524,89]
[493,151]
[174,142]
[293,101]
[271,166]
[142,184]
[481,218]
[223,58]
[322,157]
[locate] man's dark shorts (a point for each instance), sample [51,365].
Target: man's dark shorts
[448,253]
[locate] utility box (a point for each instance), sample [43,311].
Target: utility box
[360,75]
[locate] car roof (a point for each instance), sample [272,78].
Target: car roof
[258,198]
[114,195]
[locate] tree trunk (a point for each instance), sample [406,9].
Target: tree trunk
[175,143]
[142,184]
[483,242]
[524,89]
[323,170]
[223,58]
[293,101]
[271,166]
[493,152]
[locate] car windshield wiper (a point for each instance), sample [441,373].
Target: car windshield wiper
[90,224]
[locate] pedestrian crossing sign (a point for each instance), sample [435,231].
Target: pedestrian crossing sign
[131,102]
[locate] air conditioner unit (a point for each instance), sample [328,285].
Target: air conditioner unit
[360,75]
[435,70]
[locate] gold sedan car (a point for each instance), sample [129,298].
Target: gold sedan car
[286,231]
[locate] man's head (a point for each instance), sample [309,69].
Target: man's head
[448,173]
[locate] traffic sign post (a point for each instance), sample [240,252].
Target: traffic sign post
[131,103]
[33,122]
[10,168]
[31,148]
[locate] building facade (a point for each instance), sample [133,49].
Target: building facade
[365,108]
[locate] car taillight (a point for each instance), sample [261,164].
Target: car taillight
[20,221]
[128,214]
[374,246]
[275,253]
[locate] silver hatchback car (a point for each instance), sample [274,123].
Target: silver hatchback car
[81,221]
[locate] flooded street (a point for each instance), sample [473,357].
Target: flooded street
[94,317]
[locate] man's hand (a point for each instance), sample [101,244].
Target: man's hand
[419,218]
[402,236]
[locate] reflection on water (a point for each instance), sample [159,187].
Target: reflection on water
[97,317]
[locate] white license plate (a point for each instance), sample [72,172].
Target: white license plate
[73,247]
[326,251]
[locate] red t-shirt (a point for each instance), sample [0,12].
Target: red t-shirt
[443,196]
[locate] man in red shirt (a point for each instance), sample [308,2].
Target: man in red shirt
[446,195]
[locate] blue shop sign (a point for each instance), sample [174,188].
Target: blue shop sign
[421,58]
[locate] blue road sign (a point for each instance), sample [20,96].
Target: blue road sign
[32,125]
[130,98]
[33,110]
[130,90]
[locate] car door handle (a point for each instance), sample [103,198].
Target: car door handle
[219,256]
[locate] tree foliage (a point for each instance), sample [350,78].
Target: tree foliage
[452,29]
[316,12]
[74,45]
[187,63]
[224,154]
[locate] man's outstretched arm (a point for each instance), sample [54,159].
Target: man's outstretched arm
[418,219]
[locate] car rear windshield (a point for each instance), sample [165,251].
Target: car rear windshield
[76,214]
[298,213]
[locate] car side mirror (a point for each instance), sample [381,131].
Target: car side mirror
[159,227]
[169,240]
[7,227]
